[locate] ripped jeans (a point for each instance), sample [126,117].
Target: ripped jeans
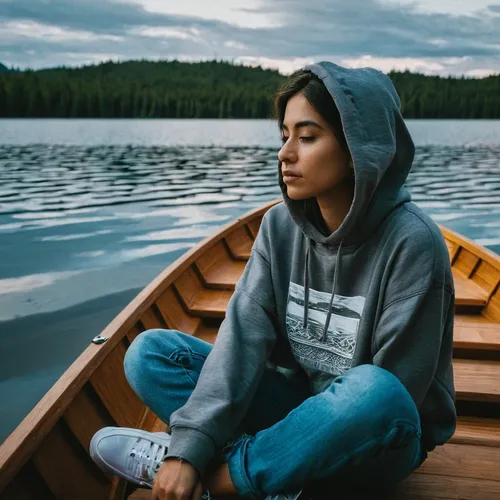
[364,429]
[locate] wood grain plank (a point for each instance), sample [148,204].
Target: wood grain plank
[141,494]
[151,319]
[477,380]
[159,426]
[492,311]
[148,420]
[199,301]
[431,487]
[453,249]
[466,262]
[206,333]
[218,269]
[467,292]
[460,460]
[67,469]
[27,485]
[135,331]
[477,431]
[176,315]
[210,303]
[111,385]
[254,226]
[487,277]
[483,253]
[86,415]
[188,286]
[476,332]
[239,243]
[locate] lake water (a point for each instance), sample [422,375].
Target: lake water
[92,210]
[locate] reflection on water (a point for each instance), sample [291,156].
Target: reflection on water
[79,223]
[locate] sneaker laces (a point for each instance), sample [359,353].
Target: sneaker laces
[145,460]
[285,496]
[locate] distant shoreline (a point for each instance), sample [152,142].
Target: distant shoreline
[212,89]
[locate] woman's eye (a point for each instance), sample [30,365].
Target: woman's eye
[303,139]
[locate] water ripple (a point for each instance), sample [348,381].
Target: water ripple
[58,181]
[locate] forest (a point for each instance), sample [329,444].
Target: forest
[212,89]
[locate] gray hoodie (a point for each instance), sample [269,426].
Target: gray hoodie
[377,290]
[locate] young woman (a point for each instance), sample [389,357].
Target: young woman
[334,359]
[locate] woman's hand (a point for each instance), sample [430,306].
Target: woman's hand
[177,480]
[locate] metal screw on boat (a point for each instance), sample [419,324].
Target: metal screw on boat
[99,339]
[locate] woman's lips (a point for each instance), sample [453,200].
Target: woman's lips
[290,178]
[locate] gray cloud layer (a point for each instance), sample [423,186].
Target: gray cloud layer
[304,29]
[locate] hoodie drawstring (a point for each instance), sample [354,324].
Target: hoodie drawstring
[335,275]
[306,286]
[306,289]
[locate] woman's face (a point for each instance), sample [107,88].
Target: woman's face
[313,162]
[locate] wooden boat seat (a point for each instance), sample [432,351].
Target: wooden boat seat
[226,277]
[477,379]
[209,304]
[218,267]
[465,468]
[200,301]
[476,332]
[240,243]
[471,332]
[468,293]
[206,333]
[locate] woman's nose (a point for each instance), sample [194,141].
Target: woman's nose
[286,154]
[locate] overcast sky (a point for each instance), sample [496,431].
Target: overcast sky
[430,36]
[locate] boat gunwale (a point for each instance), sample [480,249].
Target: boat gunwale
[479,251]
[20,445]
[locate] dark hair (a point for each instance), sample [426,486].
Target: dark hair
[313,89]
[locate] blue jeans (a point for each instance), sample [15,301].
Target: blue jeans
[363,430]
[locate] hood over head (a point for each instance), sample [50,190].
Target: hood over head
[380,145]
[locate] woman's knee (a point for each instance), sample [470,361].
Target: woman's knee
[145,352]
[379,393]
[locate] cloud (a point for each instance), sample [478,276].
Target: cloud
[99,16]
[494,8]
[40,33]
[360,27]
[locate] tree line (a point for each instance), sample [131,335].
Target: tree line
[213,89]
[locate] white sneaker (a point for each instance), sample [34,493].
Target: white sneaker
[137,455]
[132,454]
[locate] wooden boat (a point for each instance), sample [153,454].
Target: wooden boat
[46,457]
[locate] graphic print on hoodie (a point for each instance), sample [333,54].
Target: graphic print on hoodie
[331,351]
[387,267]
